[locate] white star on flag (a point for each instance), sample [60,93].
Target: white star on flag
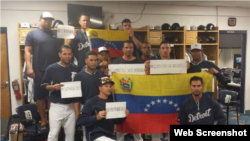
[175,105]
[178,109]
[170,102]
[153,103]
[145,109]
[148,105]
[165,101]
[158,101]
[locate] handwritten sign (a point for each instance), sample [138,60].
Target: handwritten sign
[65,32]
[127,69]
[172,66]
[71,89]
[115,110]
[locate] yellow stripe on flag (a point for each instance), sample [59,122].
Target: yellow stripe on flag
[108,35]
[159,85]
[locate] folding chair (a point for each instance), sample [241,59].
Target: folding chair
[229,98]
[28,116]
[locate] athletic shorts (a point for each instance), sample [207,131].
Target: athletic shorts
[39,92]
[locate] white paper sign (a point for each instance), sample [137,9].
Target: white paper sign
[115,110]
[172,66]
[71,89]
[127,69]
[65,32]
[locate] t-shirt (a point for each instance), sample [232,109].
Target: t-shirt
[80,46]
[122,61]
[55,74]
[45,47]
[89,84]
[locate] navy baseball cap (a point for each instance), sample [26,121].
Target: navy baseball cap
[105,80]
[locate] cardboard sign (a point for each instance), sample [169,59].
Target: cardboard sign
[65,32]
[115,110]
[127,69]
[173,66]
[71,89]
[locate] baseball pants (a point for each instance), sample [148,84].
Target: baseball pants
[61,115]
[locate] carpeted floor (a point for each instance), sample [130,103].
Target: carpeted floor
[244,119]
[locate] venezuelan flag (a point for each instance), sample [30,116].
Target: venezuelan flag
[111,39]
[154,100]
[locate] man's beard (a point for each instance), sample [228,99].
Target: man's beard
[196,94]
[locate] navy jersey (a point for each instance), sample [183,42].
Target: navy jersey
[203,112]
[95,128]
[45,47]
[80,46]
[55,74]
[89,84]
[206,65]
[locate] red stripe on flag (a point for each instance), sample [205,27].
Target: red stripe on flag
[148,123]
[113,53]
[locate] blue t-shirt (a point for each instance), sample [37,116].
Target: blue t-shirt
[45,47]
[80,46]
[55,74]
[89,84]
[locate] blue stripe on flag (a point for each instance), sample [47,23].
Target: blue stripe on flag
[153,104]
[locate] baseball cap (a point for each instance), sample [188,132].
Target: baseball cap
[101,49]
[105,80]
[45,15]
[196,46]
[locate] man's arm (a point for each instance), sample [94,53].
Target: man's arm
[182,118]
[217,72]
[77,103]
[86,118]
[76,109]
[135,40]
[104,64]
[147,67]
[47,79]
[27,56]
[221,78]
[55,87]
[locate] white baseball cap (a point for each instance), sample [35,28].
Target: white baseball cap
[196,46]
[45,15]
[101,49]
